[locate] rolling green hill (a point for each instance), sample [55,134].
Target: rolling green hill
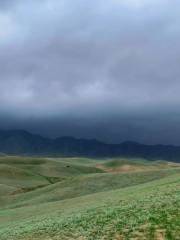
[79,198]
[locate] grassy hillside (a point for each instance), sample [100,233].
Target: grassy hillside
[134,165]
[89,199]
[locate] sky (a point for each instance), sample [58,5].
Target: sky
[91,69]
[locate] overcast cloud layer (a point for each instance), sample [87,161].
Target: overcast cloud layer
[95,69]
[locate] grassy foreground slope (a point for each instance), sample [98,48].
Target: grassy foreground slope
[86,184]
[97,204]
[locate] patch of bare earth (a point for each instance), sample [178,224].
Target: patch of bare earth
[122,169]
[118,237]
[171,164]
[160,234]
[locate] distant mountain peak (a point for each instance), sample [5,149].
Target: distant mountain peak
[22,142]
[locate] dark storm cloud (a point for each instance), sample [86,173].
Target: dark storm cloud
[108,69]
[5,3]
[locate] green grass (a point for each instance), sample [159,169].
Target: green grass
[136,164]
[51,167]
[88,203]
[19,177]
[86,184]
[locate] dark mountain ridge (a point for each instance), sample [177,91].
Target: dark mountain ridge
[20,142]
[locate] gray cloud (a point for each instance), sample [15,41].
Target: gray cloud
[91,68]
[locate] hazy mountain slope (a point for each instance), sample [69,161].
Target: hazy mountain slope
[24,143]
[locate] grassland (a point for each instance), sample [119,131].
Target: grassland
[79,198]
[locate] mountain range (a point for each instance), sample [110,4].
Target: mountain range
[20,142]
